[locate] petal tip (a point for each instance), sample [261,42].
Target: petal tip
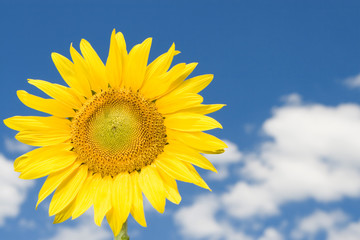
[7,122]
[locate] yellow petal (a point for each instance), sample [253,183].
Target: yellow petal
[122,195]
[68,190]
[190,122]
[137,207]
[120,40]
[50,106]
[204,109]
[174,168]
[159,85]
[193,85]
[34,138]
[54,180]
[152,186]
[135,67]
[164,83]
[201,141]
[81,71]
[46,160]
[20,123]
[96,67]
[113,218]
[22,161]
[183,153]
[172,103]
[85,197]
[171,190]
[58,92]
[68,72]
[65,214]
[200,182]
[114,66]
[102,201]
[161,64]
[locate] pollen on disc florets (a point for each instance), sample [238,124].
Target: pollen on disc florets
[116,131]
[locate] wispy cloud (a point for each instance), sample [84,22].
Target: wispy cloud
[27,223]
[249,128]
[292,99]
[352,82]
[14,146]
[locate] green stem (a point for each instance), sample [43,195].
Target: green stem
[123,233]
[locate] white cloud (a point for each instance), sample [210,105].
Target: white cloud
[314,153]
[244,200]
[13,190]
[199,221]
[223,161]
[14,146]
[353,82]
[85,229]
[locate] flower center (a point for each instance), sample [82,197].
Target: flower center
[118,131]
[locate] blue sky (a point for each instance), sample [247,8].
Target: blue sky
[289,72]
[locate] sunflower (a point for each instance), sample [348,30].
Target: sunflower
[119,130]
